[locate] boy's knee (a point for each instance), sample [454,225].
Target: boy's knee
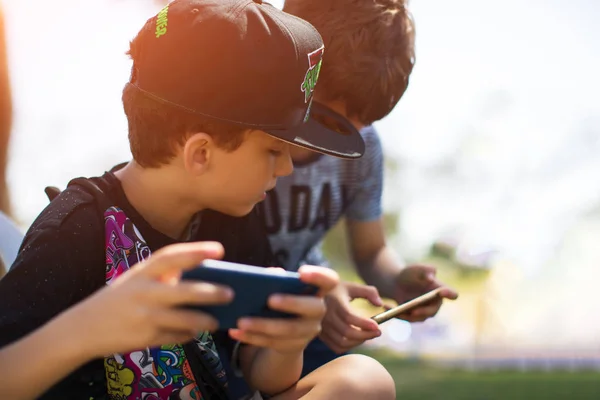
[365,377]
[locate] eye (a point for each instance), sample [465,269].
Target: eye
[275,152]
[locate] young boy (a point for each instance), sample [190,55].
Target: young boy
[365,72]
[210,132]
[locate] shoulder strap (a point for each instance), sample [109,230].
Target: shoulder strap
[101,196]
[53,192]
[209,386]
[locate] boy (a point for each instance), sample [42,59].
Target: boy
[365,72]
[209,130]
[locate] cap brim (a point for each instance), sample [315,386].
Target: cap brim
[315,136]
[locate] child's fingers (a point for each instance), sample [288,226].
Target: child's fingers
[278,327]
[426,311]
[337,323]
[347,338]
[178,257]
[448,293]
[184,320]
[358,291]
[332,342]
[325,278]
[303,306]
[192,293]
[261,340]
[347,318]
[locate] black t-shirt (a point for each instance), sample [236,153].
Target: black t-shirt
[62,261]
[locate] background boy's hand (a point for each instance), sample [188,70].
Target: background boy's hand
[139,309]
[344,329]
[290,335]
[415,280]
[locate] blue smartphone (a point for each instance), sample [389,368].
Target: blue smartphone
[252,287]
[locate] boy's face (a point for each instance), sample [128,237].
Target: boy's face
[239,179]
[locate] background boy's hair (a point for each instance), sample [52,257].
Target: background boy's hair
[156,128]
[369,52]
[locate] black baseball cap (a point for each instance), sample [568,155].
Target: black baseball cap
[243,62]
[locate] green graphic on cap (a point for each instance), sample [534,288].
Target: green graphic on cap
[161,21]
[312,75]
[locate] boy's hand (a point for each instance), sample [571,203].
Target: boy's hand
[415,280]
[290,335]
[140,308]
[344,329]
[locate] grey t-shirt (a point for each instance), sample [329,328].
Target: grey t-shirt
[305,205]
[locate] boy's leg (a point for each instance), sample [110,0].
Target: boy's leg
[348,377]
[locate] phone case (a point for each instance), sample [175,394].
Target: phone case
[252,287]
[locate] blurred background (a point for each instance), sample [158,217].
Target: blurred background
[492,175]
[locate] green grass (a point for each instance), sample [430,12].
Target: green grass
[418,380]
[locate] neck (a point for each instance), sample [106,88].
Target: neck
[156,196]
[300,154]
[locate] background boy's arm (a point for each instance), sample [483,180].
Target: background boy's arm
[376,262]
[379,265]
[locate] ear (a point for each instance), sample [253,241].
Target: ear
[197,151]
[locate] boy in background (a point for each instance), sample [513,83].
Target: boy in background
[365,72]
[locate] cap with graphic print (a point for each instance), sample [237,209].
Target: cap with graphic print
[240,61]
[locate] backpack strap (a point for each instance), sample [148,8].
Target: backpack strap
[211,389]
[52,192]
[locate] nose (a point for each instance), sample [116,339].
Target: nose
[285,166]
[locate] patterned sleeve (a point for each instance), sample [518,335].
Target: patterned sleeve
[365,204]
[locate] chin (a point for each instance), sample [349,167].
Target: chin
[239,211]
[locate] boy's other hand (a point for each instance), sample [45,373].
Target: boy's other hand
[415,280]
[344,329]
[140,309]
[290,335]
